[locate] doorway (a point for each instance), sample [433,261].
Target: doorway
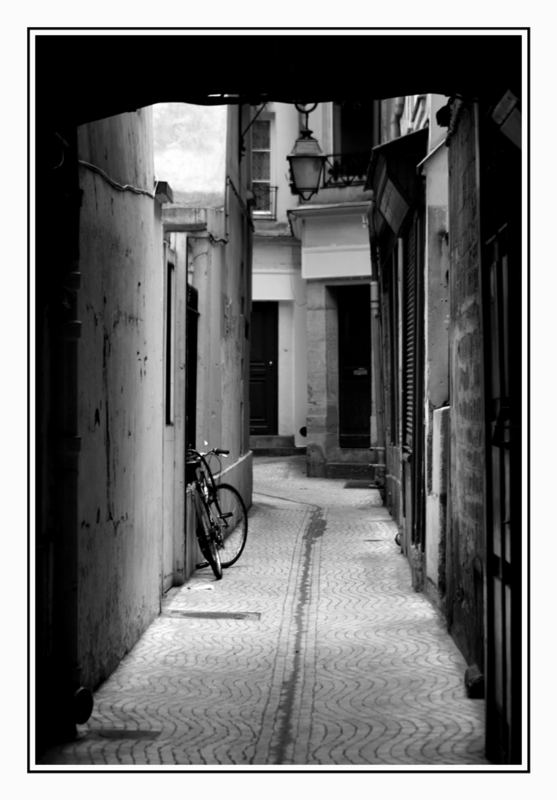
[501,220]
[354,363]
[264,369]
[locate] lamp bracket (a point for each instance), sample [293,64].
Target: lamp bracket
[306,108]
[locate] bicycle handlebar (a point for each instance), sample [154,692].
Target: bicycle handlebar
[217,451]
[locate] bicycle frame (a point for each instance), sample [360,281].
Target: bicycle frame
[216,522]
[205,483]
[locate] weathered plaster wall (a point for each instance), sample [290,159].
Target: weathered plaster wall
[174,428]
[237,287]
[285,369]
[336,245]
[436,502]
[436,378]
[220,356]
[207,279]
[120,394]
[465,538]
[219,276]
[299,348]
[322,360]
[176,432]
[274,255]
[219,263]
[213,248]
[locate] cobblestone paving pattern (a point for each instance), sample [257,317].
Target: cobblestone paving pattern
[313,650]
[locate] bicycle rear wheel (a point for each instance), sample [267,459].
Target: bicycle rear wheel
[227,507]
[206,537]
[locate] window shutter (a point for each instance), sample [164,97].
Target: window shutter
[410,341]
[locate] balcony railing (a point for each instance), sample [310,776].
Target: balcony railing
[265,201]
[345,169]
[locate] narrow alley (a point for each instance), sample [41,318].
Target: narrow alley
[313,650]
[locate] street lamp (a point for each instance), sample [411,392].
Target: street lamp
[306,160]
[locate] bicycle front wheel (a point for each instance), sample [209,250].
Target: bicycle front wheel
[227,507]
[206,537]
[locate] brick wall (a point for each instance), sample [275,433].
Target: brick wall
[465,542]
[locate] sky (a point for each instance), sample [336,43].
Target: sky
[190,147]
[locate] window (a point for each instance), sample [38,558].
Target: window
[261,166]
[354,131]
[353,127]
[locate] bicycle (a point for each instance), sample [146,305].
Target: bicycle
[222,519]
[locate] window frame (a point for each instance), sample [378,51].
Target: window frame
[270,212]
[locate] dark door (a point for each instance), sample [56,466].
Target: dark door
[354,355]
[503,540]
[264,369]
[501,223]
[192,316]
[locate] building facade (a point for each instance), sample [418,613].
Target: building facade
[446,223]
[311,353]
[208,261]
[114,321]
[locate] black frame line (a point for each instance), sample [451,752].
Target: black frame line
[526,412]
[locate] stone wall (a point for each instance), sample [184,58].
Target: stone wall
[465,539]
[436,375]
[322,360]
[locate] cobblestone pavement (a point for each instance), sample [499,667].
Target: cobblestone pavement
[312,651]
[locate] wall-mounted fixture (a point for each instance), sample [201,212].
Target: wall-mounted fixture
[507,115]
[306,159]
[163,192]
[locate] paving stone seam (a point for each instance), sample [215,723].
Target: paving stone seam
[271,719]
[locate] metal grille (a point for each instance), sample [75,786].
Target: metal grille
[346,169]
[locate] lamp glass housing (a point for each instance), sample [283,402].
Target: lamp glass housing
[306,165]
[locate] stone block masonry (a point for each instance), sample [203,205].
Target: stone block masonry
[465,538]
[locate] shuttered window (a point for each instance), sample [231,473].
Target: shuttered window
[409,351]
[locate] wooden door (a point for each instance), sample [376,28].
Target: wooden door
[503,531]
[264,369]
[500,204]
[354,355]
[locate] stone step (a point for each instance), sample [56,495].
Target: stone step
[259,440]
[279,451]
[274,446]
[350,470]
